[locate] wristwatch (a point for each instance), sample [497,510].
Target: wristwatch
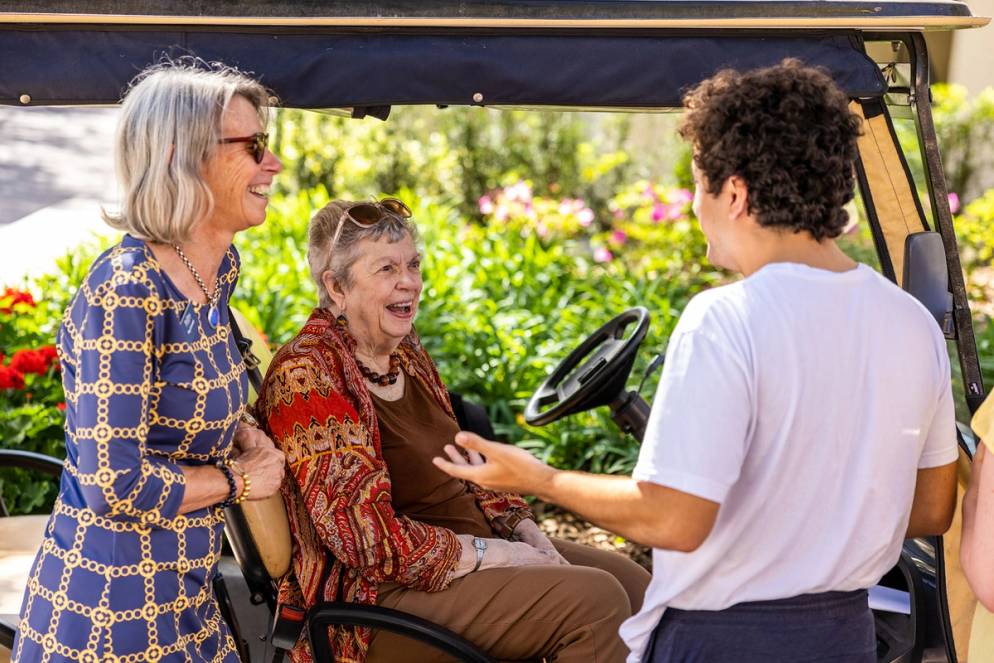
[481,547]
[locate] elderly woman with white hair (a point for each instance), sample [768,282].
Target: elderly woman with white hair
[357,405]
[155,387]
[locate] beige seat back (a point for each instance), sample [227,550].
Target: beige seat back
[258,530]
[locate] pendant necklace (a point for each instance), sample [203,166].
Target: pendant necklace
[213,315]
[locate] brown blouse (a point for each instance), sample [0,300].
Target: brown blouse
[413,430]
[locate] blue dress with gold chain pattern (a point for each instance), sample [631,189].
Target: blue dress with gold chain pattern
[150,387]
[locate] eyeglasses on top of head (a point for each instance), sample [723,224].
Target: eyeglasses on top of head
[367,215]
[257,144]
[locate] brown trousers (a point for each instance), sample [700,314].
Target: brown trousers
[560,613]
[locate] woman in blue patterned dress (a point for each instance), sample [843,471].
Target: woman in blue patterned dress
[155,388]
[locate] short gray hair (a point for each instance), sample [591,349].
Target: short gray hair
[322,230]
[170,124]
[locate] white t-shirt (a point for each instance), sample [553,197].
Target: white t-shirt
[804,401]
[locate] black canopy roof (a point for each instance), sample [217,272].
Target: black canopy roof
[589,53]
[457,12]
[356,70]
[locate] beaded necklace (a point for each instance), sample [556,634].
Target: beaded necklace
[384,379]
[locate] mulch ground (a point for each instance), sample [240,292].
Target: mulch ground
[565,525]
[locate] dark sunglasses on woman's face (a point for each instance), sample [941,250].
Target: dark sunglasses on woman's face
[256,144]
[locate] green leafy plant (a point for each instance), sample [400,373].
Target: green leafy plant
[975,233]
[964,127]
[31,402]
[453,155]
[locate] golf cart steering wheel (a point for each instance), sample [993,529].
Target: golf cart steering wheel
[582,383]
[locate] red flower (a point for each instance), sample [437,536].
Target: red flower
[50,354]
[30,361]
[61,407]
[11,296]
[11,378]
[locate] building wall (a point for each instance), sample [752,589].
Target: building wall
[971,52]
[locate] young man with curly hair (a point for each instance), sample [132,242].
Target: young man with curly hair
[803,424]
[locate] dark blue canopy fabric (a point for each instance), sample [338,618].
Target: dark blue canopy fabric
[311,69]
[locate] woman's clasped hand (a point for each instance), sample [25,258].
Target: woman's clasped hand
[258,458]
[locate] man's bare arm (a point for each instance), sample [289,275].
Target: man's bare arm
[651,514]
[935,501]
[640,511]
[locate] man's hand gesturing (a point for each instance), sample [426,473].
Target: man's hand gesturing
[494,465]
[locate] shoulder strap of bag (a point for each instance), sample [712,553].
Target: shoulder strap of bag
[245,348]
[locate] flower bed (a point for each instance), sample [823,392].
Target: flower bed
[32,409]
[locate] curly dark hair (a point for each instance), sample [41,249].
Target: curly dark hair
[787,131]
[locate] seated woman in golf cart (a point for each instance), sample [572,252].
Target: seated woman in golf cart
[359,408]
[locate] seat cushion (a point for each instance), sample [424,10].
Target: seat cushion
[20,538]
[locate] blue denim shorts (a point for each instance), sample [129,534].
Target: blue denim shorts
[817,628]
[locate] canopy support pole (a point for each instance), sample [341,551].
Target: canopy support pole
[966,344]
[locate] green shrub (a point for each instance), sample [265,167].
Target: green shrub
[964,127]
[505,300]
[504,303]
[975,232]
[537,228]
[454,155]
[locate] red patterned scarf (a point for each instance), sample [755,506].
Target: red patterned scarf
[347,537]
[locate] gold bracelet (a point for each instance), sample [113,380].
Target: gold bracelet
[247,418]
[246,481]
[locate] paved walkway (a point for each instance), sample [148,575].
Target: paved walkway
[56,170]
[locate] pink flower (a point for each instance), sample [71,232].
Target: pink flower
[953,202]
[649,192]
[542,230]
[601,254]
[486,204]
[681,197]
[618,237]
[659,212]
[586,216]
[570,205]
[501,213]
[519,192]
[618,214]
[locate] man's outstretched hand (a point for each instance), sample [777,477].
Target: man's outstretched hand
[494,465]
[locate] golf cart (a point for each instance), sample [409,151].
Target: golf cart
[365,57]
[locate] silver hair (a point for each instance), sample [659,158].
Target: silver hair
[169,127]
[322,230]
